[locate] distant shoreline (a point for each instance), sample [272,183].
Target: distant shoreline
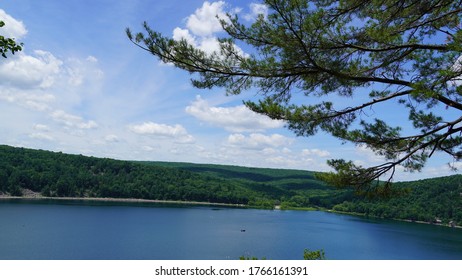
[38,196]
[122,200]
[392,219]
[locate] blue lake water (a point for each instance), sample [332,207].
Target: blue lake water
[88,230]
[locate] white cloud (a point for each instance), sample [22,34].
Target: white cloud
[203,25]
[147,148]
[158,129]
[428,172]
[37,101]
[235,119]
[457,67]
[256,10]
[111,138]
[179,34]
[40,69]
[448,169]
[78,71]
[26,71]
[41,136]
[204,21]
[207,44]
[259,150]
[211,45]
[91,59]
[368,155]
[38,106]
[41,132]
[185,139]
[41,127]
[269,151]
[315,152]
[457,165]
[177,132]
[282,161]
[13,28]
[258,141]
[72,121]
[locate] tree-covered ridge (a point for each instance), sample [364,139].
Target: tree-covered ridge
[284,187]
[429,200]
[63,175]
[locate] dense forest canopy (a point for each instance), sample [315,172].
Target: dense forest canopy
[405,55]
[62,175]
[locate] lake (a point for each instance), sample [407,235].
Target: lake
[104,230]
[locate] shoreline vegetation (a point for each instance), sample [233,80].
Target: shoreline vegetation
[38,196]
[30,195]
[393,219]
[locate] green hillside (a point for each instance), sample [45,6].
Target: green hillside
[429,200]
[63,175]
[289,188]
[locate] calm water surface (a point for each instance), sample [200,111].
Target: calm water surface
[89,230]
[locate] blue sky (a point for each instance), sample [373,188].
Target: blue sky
[80,86]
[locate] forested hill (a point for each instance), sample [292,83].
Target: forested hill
[436,200]
[62,175]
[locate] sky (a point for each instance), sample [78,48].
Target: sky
[80,86]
